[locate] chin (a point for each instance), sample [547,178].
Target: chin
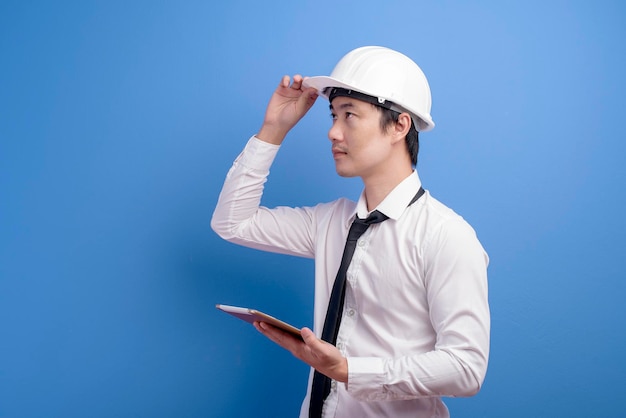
[344,173]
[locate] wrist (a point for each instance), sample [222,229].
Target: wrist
[341,374]
[271,135]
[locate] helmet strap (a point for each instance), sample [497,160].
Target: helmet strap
[341,92]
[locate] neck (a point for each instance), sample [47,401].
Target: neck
[377,189]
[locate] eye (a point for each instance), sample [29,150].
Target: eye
[333,116]
[348,115]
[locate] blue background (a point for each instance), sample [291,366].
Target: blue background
[119,120]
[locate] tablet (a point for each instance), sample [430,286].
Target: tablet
[252,315]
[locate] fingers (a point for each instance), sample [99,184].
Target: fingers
[289,342]
[280,337]
[296,84]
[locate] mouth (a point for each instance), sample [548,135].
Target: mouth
[337,153]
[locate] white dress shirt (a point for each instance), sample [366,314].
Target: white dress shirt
[415,325]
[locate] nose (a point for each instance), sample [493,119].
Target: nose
[334,133]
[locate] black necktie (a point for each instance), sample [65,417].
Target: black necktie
[321,383]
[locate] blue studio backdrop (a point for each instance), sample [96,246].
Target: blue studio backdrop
[119,121]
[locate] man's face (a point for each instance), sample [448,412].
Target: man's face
[360,148]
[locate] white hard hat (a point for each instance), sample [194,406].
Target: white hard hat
[384,74]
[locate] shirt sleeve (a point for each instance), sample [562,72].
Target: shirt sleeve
[239,218]
[456,286]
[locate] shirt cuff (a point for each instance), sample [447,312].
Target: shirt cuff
[366,378]
[258,155]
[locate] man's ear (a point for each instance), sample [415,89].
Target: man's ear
[402,126]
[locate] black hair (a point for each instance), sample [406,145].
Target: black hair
[388,117]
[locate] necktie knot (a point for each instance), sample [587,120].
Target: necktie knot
[359,226]
[374,218]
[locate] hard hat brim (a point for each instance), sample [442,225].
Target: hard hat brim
[322,84]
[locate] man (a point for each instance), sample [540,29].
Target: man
[408,322]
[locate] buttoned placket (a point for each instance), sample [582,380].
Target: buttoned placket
[350,313]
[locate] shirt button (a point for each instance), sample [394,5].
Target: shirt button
[351,312]
[333,385]
[361,243]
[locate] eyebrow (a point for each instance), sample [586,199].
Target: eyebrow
[342,106]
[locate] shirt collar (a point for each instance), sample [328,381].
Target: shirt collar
[396,201]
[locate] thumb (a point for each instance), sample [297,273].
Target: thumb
[308,336]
